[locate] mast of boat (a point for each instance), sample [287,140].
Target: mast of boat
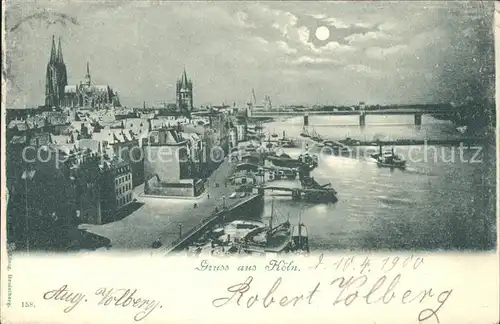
[268,233]
[300,229]
[271,218]
[380,149]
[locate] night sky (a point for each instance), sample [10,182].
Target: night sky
[380,53]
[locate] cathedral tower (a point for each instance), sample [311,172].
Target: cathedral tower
[184,94]
[88,79]
[56,77]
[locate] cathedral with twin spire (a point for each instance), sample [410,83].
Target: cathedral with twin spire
[85,94]
[56,77]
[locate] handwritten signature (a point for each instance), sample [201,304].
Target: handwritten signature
[348,290]
[110,297]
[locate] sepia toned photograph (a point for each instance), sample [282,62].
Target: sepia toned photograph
[249,128]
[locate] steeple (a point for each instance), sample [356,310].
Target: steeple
[87,76]
[59,57]
[184,93]
[53,55]
[56,77]
[184,80]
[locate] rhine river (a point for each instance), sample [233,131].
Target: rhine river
[440,202]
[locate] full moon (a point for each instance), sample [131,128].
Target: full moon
[322,33]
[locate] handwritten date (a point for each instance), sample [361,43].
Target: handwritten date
[365,264]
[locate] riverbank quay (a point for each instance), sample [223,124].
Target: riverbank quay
[166,219]
[226,213]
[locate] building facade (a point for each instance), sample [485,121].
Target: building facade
[116,188]
[122,143]
[170,165]
[84,172]
[241,132]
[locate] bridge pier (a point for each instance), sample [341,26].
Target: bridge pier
[418,119]
[362,117]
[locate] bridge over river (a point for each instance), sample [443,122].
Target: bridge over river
[361,113]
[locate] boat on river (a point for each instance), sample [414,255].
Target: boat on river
[388,159]
[236,230]
[337,147]
[305,132]
[300,238]
[224,239]
[272,239]
[316,137]
[285,142]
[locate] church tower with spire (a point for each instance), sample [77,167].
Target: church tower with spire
[56,77]
[88,79]
[184,94]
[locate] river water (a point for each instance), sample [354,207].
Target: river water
[444,200]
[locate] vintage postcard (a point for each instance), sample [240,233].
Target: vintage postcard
[227,162]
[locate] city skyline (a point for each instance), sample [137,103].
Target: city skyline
[389,53]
